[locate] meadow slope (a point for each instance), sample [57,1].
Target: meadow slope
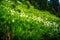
[27,23]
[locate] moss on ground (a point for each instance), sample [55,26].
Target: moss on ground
[27,23]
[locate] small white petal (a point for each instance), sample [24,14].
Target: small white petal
[26,16]
[13,20]
[12,13]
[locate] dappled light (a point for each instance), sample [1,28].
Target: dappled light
[59,1]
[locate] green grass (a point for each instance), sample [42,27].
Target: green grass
[27,23]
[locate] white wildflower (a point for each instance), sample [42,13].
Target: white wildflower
[21,15]
[42,20]
[47,23]
[26,16]
[12,11]
[39,19]
[54,24]
[44,23]
[57,25]
[7,0]
[13,20]
[33,17]
[19,2]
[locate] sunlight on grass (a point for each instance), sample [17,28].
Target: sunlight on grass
[27,23]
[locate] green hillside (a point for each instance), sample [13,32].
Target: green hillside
[20,21]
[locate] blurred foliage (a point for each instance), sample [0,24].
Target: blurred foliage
[52,6]
[27,23]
